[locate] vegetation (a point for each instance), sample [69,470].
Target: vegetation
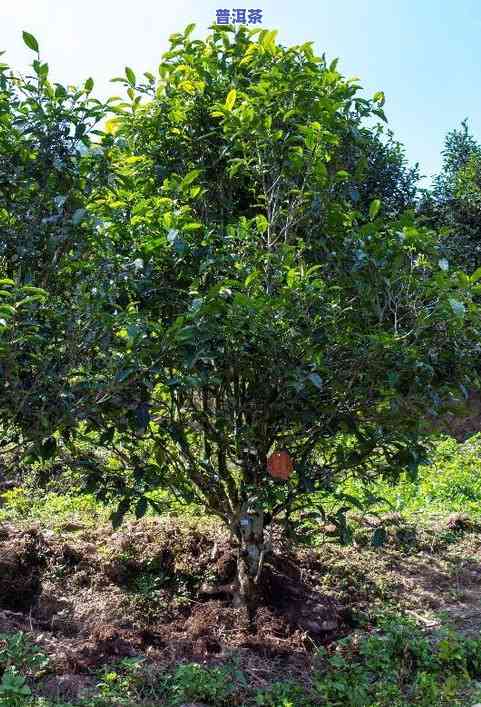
[453,204]
[258,310]
[231,261]
[397,667]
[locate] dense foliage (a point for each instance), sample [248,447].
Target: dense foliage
[454,203]
[195,286]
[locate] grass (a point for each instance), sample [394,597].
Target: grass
[57,508]
[50,508]
[450,483]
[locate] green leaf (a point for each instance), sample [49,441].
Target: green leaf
[374,208]
[380,114]
[230,100]
[235,166]
[249,55]
[117,516]
[89,84]
[30,300]
[251,277]
[316,380]
[269,40]
[30,41]
[191,177]
[292,277]
[130,75]
[187,333]
[457,307]
[262,223]
[476,275]
[6,282]
[7,310]
[379,97]
[29,289]
[40,69]
[13,685]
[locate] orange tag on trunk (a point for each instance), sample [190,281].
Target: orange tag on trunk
[279,465]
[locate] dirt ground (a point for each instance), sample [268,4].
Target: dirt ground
[156,589]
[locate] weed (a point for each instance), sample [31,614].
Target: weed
[451,482]
[195,683]
[284,694]
[399,666]
[120,684]
[18,652]
[17,657]
[13,688]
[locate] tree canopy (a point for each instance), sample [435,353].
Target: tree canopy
[211,292]
[454,203]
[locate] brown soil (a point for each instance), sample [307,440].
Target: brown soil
[90,597]
[98,597]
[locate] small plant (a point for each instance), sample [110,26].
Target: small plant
[195,683]
[18,652]
[17,657]
[149,585]
[13,689]
[284,694]
[120,685]
[399,665]
[15,503]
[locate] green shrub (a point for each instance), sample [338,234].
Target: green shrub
[13,689]
[399,666]
[18,657]
[212,685]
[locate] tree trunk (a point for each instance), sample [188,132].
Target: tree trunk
[250,557]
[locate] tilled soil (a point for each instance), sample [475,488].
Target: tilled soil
[158,589]
[89,600]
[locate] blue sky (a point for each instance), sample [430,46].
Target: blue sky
[424,54]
